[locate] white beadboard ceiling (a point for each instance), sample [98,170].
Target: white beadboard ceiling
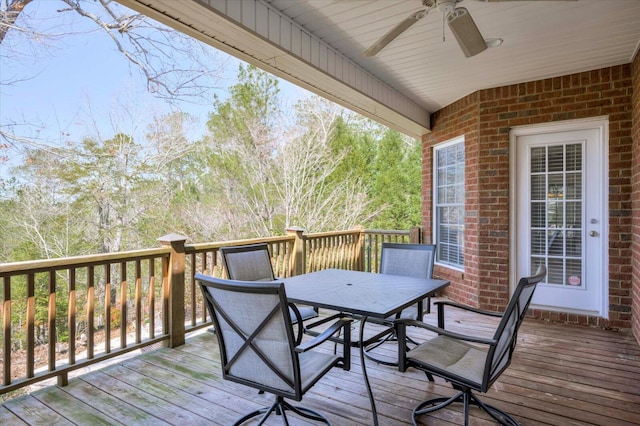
[419,72]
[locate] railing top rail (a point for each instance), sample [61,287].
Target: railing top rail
[191,248]
[33,266]
[385,232]
[317,235]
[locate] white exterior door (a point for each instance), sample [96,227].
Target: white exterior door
[560,213]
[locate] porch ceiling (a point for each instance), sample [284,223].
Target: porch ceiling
[318,45]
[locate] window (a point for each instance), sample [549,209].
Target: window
[448,170]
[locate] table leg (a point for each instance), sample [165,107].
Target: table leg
[364,372]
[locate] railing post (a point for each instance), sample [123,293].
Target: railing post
[297,257]
[415,235]
[176,287]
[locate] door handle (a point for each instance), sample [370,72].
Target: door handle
[593,234]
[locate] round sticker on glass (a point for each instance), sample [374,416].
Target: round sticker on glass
[573,280]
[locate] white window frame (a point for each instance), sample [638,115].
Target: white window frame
[436,237]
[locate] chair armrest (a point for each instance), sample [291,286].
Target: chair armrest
[402,323]
[299,325]
[324,336]
[441,304]
[296,312]
[467,308]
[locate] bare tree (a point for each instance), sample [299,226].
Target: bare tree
[174,65]
[309,197]
[102,193]
[10,12]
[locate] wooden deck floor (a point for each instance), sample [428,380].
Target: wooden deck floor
[561,375]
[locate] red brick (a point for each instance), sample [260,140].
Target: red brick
[485,118]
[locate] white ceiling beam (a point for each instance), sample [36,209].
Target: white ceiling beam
[262,36]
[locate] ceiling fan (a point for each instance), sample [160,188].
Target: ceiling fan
[459,20]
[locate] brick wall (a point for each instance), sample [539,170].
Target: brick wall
[459,118]
[635,135]
[485,119]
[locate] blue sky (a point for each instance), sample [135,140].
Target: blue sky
[78,72]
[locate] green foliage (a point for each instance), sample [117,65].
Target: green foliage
[396,182]
[241,172]
[359,150]
[257,171]
[252,105]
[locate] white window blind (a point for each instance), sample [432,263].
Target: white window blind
[449,202]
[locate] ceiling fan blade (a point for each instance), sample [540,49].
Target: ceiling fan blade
[395,32]
[466,32]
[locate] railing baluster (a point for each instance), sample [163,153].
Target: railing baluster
[152,299]
[275,259]
[51,315]
[107,308]
[331,251]
[165,294]
[203,257]
[322,243]
[313,255]
[138,301]
[192,287]
[205,263]
[31,320]
[123,305]
[90,311]
[6,331]
[71,316]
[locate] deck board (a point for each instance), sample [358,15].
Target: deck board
[560,375]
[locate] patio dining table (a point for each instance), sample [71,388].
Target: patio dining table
[362,294]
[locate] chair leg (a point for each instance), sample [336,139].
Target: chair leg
[497,414]
[466,398]
[390,337]
[280,406]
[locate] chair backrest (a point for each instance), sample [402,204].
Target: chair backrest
[506,334]
[253,327]
[250,262]
[413,260]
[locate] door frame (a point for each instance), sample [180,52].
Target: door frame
[602,125]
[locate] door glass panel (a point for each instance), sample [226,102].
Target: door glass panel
[573,211]
[538,159]
[555,271]
[574,157]
[538,215]
[538,243]
[574,186]
[557,212]
[538,188]
[555,158]
[555,242]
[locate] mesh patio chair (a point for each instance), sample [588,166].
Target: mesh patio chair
[252,262]
[468,362]
[413,260]
[258,349]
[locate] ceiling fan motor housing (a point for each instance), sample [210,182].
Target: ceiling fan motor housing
[458,18]
[466,32]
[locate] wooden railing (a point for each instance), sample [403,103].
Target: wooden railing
[205,258]
[114,304]
[372,244]
[120,302]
